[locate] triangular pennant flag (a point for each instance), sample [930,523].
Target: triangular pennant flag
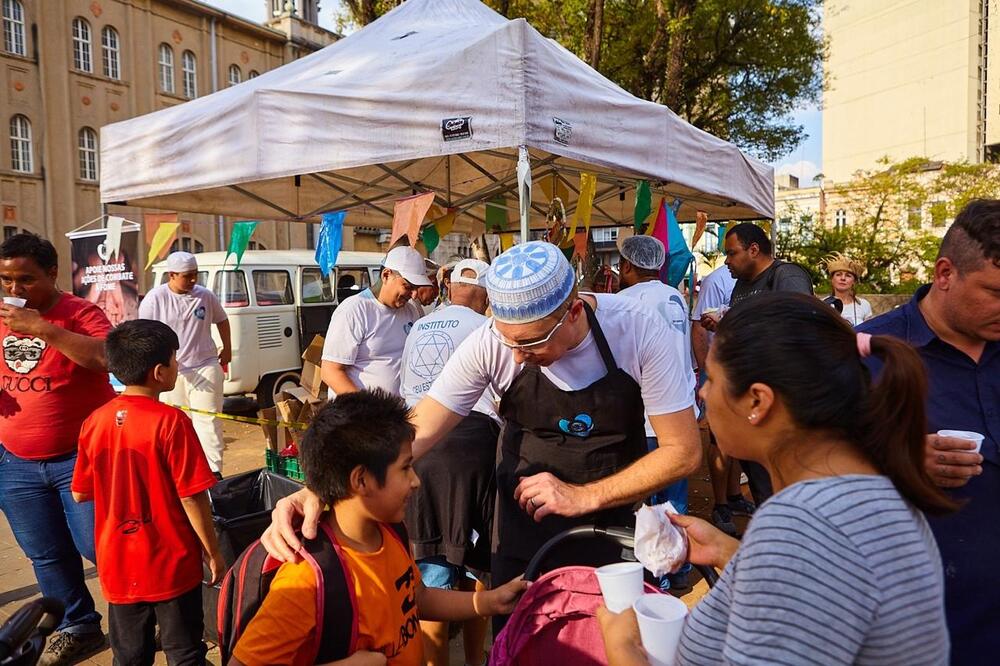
[701,221]
[643,204]
[407,216]
[160,231]
[112,238]
[506,241]
[580,245]
[721,231]
[668,231]
[331,237]
[496,214]
[438,229]
[240,238]
[661,219]
[584,205]
[553,187]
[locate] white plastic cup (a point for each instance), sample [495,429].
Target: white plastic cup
[621,584]
[14,301]
[964,434]
[661,621]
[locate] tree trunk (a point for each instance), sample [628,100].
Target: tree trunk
[673,85]
[594,33]
[362,11]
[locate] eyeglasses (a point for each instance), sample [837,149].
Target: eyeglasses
[521,346]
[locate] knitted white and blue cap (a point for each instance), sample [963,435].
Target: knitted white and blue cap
[528,282]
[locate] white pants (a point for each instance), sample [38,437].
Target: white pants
[201,388]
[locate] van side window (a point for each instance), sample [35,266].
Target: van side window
[315,288]
[202,278]
[231,288]
[351,281]
[273,288]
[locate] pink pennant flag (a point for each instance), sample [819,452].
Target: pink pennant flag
[407,216]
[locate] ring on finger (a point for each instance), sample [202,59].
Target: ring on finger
[531,502]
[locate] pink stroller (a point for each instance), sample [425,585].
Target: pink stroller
[555,622]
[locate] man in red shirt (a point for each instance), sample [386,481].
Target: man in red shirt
[53,376]
[141,463]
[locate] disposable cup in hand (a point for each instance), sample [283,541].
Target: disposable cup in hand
[661,620]
[964,434]
[621,584]
[15,301]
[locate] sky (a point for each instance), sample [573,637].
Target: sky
[804,162]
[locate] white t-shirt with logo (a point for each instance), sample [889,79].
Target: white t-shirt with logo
[368,337]
[669,305]
[191,316]
[430,344]
[636,341]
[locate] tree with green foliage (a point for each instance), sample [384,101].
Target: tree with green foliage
[897,215]
[734,68]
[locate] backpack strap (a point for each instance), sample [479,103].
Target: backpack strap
[336,621]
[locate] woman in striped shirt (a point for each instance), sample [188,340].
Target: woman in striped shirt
[839,566]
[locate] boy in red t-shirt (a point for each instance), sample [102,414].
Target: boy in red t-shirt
[141,463]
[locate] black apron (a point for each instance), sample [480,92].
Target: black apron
[579,437]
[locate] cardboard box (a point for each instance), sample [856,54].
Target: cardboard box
[301,395]
[272,434]
[312,380]
[314,352]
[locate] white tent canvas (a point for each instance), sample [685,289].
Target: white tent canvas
[435,95]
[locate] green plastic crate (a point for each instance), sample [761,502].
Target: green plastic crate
[288,467]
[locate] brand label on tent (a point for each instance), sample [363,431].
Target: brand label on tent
[563,131]
[456,129]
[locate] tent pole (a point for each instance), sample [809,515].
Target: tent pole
[524,189]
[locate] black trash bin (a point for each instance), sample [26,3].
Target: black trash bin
[241,510]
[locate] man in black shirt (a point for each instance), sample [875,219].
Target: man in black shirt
[748,256]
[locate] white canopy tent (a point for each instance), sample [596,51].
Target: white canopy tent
[435,95]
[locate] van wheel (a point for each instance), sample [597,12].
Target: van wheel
[271,386]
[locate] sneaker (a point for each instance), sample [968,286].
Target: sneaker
[66,648]
[741,506]
[722,518]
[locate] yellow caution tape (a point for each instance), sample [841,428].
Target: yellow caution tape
[245,419]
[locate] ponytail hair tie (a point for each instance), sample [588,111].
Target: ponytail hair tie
[864,344]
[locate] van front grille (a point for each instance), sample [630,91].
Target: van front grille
[268,331]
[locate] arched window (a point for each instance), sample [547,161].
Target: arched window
[111,56]
[253,74]
[189,67]
[166,69]
[20,144]
[235,75]
[82,54]
[88,154]
[13,27]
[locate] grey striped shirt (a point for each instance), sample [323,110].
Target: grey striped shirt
[838,570]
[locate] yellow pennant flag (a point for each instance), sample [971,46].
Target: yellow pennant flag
[584,205]
[445,224]
[164,235]
[506,241]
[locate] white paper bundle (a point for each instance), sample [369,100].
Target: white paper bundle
[660,545]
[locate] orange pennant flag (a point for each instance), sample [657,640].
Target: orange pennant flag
[407,216]
[701,221]
[580,245]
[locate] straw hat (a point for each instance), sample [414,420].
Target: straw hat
[841,262]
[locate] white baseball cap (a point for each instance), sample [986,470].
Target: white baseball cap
[181,262]
[407,262]
[475,265]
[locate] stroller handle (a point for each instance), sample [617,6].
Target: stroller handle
[624,536]
[43,614]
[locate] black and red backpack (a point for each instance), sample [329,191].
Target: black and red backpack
[249,580]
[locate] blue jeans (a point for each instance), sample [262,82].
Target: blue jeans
[52,530]
[677,494]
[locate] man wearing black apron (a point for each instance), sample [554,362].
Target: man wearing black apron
[575,374]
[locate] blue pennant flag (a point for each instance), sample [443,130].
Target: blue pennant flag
[331,237]
[678,255]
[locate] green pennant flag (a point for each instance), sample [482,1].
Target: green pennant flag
[240,238]
[721,230]
[496,214]
[643,204]
[430,237]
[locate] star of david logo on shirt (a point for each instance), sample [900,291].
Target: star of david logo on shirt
[430,352]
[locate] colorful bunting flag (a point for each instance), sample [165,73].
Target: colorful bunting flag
[407,216]
[159,240]
[239,239]
[331,237]
[580,245]
[584,205]
[506,241]
[721,230]
[679,257]
[438,229]
[496,214]
[700,222]
[643,204]
[553,187]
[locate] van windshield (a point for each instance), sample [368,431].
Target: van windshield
[231,289]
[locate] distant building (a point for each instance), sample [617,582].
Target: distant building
[910,78]
[68,67]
